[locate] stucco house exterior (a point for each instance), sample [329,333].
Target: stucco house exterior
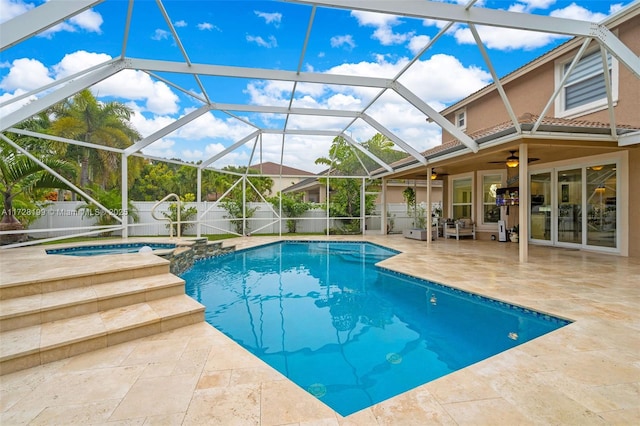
[579,186]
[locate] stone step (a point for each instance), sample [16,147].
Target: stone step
[80,273]
[51,341]
[39,308]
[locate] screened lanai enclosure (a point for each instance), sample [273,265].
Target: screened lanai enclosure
[192,99]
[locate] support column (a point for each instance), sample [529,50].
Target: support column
[428,213]
[244,205]
[363,197]
[125,196]
[199,201]
[523,210]
[383,198]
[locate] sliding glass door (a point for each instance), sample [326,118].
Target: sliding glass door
[569,196]
[601,206]
[541,206]
[575,207]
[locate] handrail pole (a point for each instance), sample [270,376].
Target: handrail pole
[155,206]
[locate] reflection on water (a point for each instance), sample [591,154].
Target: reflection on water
[351,333]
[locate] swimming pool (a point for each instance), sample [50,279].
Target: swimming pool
[100,249]
[348,332]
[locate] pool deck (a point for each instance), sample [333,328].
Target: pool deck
[587,373]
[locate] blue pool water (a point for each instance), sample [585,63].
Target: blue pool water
[348,332]
[96,250]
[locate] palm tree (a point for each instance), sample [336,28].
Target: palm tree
[20,176]
[84,118]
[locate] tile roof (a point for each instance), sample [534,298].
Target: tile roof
[271,168]
[527,120]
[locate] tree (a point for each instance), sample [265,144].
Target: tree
[154,182]
[84,118]
[292,206]
[235,212]
[20,177]
[345,192]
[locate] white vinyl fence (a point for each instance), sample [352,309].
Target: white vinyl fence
[63,215]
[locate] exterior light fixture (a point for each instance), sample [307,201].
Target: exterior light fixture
[434,175]
[512,160]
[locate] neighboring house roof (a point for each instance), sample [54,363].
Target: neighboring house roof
[270,168]
[526,121]
[306,183]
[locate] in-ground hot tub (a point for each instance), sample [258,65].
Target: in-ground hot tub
[120,248]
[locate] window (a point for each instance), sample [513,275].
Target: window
[462,197]
[585,89]
[461,119]
[490,211]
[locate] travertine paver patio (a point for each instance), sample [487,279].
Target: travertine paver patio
[585,373]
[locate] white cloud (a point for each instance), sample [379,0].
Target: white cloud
[6,97]
[127,84]
[343,40]
[444,79]
[270,18]
[160,35]
[179,24]
[383,25]
[506,38]
[262,42]
[511,39]
[162,148]
[574,11]
[529,5]
[12,8]
[206,26]
[418,42]
[439,80]
[26,74]
[89,21]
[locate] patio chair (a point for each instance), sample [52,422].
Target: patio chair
[460,228]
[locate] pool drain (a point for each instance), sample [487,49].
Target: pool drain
[394,358]
[317,389]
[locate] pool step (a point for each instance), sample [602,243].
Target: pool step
[48,319]
[40,308]
[51,341]
[108,269]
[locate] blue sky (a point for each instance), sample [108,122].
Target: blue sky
[270,34]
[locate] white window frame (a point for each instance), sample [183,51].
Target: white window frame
[461,116]
[473,193]
[490,226]
[597,105]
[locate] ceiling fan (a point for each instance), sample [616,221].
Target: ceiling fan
[435,175]
[512,160]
